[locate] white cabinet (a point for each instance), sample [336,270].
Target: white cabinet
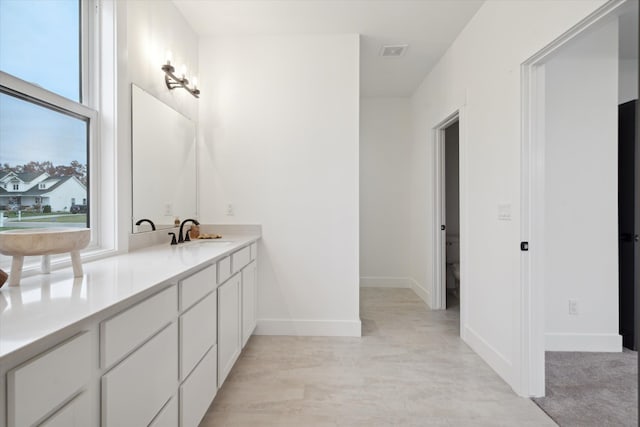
[76,413]
[229,345]
[249,301]
[136,389]
[240,258]
[198,391]
[198,332]
[39,386]
[168,416]
[224,269]
[157,361]
[125,331]
[194,287]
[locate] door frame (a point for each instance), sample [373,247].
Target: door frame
[439,297]
[530,298]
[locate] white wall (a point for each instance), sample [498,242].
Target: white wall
[147,29]
[581,194]
[480,76]
[279,140]
[628,83]
[385,150]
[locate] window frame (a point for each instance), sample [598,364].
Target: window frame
[91,20]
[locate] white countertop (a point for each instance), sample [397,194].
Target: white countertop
[46,303]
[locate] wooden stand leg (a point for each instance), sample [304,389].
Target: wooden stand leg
[45,265]
[77,264]
[16,270]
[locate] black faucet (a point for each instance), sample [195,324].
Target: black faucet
[173,238]
[185,237]
[153,226]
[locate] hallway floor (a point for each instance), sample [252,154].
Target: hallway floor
[410,368]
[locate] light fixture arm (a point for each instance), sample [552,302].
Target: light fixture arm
[172,81]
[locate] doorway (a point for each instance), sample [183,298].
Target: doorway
[569,200]
[452,215]
[447,260]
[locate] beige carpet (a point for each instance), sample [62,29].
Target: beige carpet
[591,389]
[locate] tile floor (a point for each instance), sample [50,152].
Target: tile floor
[410,368]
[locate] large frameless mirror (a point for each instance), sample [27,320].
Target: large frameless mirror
[163,163]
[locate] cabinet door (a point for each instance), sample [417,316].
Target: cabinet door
[228,326]
[43,383]
[136,389]
[249,301]
[76,413]
[198,391]
[125,331]
[168,416]
[197,333]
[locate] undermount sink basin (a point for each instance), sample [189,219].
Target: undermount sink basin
[45,242]
[198,242]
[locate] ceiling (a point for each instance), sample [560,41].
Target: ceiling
[427,26]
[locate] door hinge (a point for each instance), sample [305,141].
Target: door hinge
[524,246]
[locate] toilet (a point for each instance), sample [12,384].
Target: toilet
[453,261]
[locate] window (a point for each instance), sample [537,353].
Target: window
[45,117]
[55,57]
[40,43]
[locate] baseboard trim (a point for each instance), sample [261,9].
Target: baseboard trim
[423,293]
[309,328]
[496,360]
[385,282]
[605,343]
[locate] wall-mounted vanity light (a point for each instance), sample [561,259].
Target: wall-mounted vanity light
[174,81]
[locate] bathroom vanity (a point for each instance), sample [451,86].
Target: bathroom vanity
[144,338]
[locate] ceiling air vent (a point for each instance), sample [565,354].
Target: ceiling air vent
[394,50]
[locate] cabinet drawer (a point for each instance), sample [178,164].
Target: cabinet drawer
[240,259]
[168,416]
[229,331]
[198,332]
[40,385]
[76,413]
[127,330]
[224,269]
[249,301]
[194,287]
[198,391]
[135,390]
[254,251]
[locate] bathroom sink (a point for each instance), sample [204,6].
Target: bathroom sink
[45,242]
[211,241]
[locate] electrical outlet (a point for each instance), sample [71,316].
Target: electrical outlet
[168,209]
[229,209]
[573,307]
